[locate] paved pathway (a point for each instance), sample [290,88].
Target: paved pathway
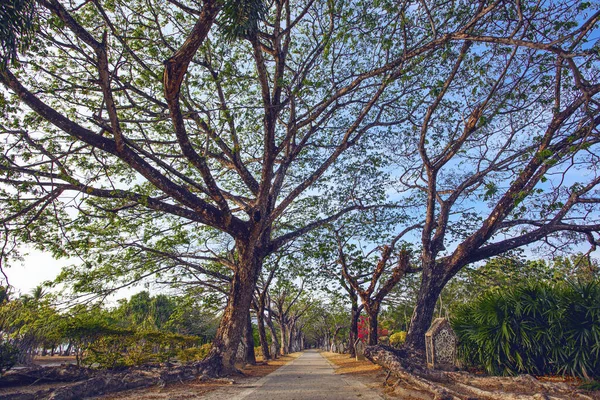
[310,376]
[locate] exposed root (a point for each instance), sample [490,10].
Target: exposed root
[410,367]
[88,382]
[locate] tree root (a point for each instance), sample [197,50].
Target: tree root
[89,382]
[409,367]
[37,374]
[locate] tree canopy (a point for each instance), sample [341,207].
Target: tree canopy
[196,140]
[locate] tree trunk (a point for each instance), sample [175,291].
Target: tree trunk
[262,334]
[354,327]
[67,352]
[431,287]
[283,331]
[221,359]
[372,314]
[273,336]
[290,333]
[250,355]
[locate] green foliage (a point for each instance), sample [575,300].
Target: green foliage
[123,348]
[194,353]
[258,350]
[27,324]
[593,385]
[104,338]
[17,27]
[397,338]
[108,350]
[239,18]
[536,327]
[9,355]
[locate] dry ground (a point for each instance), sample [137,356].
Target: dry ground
[53,360]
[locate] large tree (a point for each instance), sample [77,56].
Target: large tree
[127,108]
[502,148]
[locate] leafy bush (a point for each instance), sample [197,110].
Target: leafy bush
[120,348]
[536,327]
[9,355]
[194,353]
[397,338]
[109,351]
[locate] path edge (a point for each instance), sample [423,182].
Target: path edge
[258,384]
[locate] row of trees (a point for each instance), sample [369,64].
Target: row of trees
[496,278]
[205,142]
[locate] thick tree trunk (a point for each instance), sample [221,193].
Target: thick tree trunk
[373,336]
[291,332]
[273,336]
[262,334]
[250,356]
[372,314]
[431,286]
[354,328]
[221,359]
[284,343]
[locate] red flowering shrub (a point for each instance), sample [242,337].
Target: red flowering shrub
[363,329]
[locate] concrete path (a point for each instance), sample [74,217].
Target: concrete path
[310,376]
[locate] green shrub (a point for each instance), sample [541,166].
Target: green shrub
[536,328]
[120,348]
[9,355]
[258,351]
[194,353]
[397,338]
[109,351]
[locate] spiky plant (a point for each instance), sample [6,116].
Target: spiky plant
[536,327]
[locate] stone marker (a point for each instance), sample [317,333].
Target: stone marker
[359,348]
[440,345]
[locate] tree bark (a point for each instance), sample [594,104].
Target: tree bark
[262,334]
[432,283]
[234,322]
[291,331]
[283,332]
[250,355]
[372,315]
[354,327]
[273,336]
